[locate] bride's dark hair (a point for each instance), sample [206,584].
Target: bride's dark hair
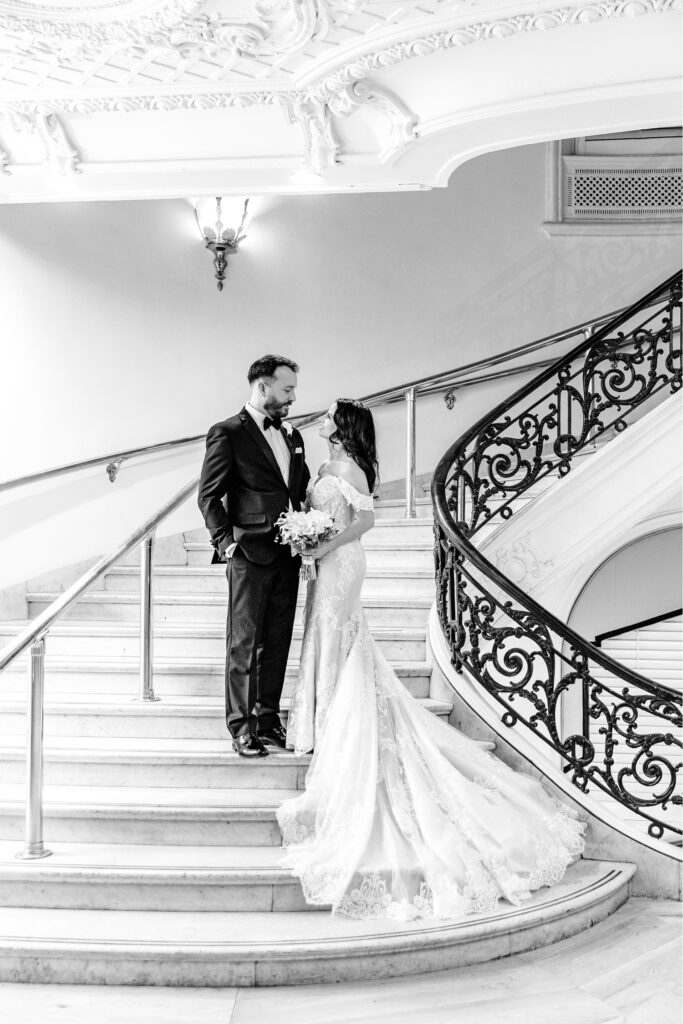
[356,434]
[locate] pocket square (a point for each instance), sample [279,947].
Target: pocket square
[298,451]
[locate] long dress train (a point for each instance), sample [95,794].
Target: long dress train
[402,815]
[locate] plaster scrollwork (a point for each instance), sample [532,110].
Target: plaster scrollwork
[39,28]
[149,101]
[277,28]
[402,122]
[519,562]
[465,35]
[179,28]
[320,148]
[5,162]
[60,156]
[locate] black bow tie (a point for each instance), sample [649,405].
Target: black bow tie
[275,422]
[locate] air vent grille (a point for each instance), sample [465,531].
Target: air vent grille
[624,187]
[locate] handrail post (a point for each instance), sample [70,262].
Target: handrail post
[146,692]
[34,848]
[410,452]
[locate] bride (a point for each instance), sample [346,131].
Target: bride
[402,816]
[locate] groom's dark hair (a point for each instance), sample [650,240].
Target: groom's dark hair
[267,365]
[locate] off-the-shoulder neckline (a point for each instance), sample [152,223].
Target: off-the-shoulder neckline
[341,480]
[344,486]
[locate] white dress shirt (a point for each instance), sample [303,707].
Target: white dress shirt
[274,439]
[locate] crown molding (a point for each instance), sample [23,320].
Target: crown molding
[334,90]
[276,28]
[79,28]
[465,35]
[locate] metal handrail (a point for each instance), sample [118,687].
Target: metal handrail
[113,462]
[456,534]
[42,624]
[34,635]
[431,384]
[618,320]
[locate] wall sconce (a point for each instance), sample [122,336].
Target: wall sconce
[222,241]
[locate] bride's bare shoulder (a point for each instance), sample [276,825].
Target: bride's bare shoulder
[353,475]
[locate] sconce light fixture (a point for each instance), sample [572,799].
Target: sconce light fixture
[212,218]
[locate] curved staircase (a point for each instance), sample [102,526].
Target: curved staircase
[165,848]
[509,570]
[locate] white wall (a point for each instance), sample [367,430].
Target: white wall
[636,583]
[114,335]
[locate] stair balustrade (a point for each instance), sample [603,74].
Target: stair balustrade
[33,638]
[529,661]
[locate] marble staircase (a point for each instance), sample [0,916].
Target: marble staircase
[165,865]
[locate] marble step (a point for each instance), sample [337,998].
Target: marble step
[410,554]
[102,639]
[212,608]
[156,816]
[166,762]
[172,762]
[186,719]
[200,677]
[100,876]
[210,579]
[219,949]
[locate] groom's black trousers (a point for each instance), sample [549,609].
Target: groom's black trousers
[259,632]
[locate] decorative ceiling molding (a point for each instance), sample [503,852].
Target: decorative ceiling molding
[316,63]
[276,28]
[465,35]
[402,122]
[320,148]
[152,102]
[76,29]
[61,158]
[199,35]
[111,20]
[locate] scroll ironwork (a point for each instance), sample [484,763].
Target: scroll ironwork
[615,731]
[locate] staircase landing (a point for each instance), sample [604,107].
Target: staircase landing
[247,949]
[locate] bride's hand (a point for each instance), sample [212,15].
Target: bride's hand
[317,552]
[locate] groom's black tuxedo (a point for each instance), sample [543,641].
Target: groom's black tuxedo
[242,492]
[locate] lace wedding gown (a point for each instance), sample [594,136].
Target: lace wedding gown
[402,815]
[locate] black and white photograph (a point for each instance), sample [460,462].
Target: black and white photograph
[341,512]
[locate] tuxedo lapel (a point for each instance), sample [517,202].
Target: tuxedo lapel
[257,436]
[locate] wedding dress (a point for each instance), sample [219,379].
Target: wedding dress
[402,816]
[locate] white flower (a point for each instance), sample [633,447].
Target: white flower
[287,427]
[305,529]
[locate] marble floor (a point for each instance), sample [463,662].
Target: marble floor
[625,970]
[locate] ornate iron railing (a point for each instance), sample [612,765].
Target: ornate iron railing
[547,677]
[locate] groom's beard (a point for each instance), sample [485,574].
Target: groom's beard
[277,409]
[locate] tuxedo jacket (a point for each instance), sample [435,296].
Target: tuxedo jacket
[242,491]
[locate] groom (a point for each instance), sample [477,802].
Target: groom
[254,470]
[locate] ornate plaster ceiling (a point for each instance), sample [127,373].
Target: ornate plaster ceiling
[106,98]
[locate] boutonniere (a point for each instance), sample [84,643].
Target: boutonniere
[287,427]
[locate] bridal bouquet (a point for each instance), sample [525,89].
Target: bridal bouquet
[306,530]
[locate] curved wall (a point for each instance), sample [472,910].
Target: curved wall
[636,583]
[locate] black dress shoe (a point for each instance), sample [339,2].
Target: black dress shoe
[248,745]
[274,737]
